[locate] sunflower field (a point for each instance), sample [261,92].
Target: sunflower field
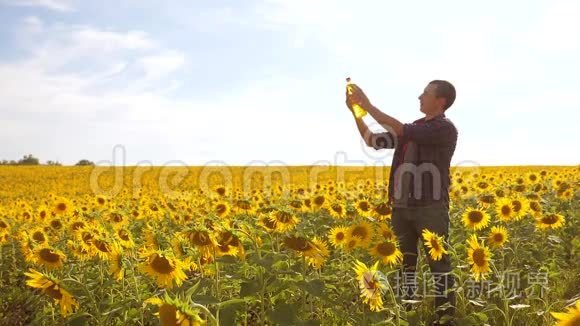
[308,245]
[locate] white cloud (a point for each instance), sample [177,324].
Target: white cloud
[57,5]
[92,38]
[61,110]
[162,64]
[33,24]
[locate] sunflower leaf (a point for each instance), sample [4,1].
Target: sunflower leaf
[192,290]
[249,288]
[314,287]
[205,299]
[79,318]
[283,314]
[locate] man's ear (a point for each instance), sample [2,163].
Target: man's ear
[442,101]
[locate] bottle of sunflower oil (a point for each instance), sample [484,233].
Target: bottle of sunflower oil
[358,111]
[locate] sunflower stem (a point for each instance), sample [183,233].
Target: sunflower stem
[505,311]
[89,294]
[304,293]
[217,277]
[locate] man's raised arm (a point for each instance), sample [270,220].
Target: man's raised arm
[385,120]
[375,140]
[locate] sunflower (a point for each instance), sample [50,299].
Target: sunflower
[78,251]
[202,239]
[535,208]
[116,267]
[386,233]
[388,252]
[553,221]
[371,285]
[504,209]
[283,220]
[56,224]
[569,318]
[100,201]
[435,244]
[125,238]
[228,244]
[520,206]
[51,287]
[485,200]
[4,236]
[382,211]
[351,243]
[475,219]
[76,225]
[164,268]
[337,210]
[103,247]
[337,236]
[49,257]
[4,226]
[221,209]
[317,255]
[265,222]
[42,212]
[363,207]
[479,257]
[173,311]
[566,194]
[363,231]
[298,243]
[532,177]
[244,206]
[62,206]
[319,201]
[497,236]
[296,204]
[38,235]
[222,191]
[118,220]
[482,186]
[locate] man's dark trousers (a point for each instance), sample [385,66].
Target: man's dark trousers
[408,224]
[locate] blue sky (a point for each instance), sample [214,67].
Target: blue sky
[246,82]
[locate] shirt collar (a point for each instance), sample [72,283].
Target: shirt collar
[439,116]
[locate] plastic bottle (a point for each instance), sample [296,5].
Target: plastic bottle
[358,111]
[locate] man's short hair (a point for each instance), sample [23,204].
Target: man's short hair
[445,89]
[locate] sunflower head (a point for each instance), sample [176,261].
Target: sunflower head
[175,311]
[337,236]
[363,231]
[434,243]
[49,257]
[498,236]
[551,220]
[475,219]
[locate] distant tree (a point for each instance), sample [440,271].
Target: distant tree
[4,162]
[53,163]
[28,160]
[84,162]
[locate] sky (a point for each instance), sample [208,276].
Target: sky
[262,81]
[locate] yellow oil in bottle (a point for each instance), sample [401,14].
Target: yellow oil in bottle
[358,111]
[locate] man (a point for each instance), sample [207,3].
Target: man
[419,181]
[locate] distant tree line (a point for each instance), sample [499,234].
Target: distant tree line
[32,160]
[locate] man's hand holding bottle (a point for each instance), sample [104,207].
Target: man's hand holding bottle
[356,100]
